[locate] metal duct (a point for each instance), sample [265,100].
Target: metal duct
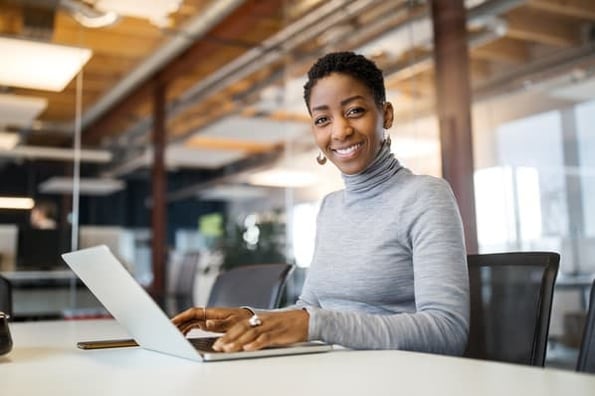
[88,16]
[189,33]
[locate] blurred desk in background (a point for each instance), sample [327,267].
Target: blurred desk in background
[51,294]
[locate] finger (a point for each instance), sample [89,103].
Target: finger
[279,334]
[185,328]
[237,344]
[220,326]
[225,323]
[239,335]
[263,340]
[189,315]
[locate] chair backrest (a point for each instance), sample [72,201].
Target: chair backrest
[511,302]
[186,274]
[257,286]
[5,296]
[180,283]
[586,355]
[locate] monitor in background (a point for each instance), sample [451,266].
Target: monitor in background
[39,249]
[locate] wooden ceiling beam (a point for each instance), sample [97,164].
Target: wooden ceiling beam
[102,62]
[126,107]
[281,115]
[201,53]
[127,26]
[196,118]
[580,9]
[106,44]
[11,19]
[504,50]
[210,143]
[480,69]
[532,25]
[239,24]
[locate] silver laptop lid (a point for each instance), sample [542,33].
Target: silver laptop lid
[128,302]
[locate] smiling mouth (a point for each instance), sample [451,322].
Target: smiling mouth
[346,151]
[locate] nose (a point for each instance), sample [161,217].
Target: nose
[342,129]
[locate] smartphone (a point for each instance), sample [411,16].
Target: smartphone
[101,344]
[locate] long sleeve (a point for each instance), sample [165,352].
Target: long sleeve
[399,281]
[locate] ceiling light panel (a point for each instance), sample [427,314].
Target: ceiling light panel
[20,110]
[16,203]
[87,186]
[37,65]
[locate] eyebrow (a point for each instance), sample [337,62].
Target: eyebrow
[343,102]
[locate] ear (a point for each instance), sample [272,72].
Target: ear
[388,114]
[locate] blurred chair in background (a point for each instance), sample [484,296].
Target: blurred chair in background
[511,301]
[257,286]
[586,356]
[181,280]
[5,296]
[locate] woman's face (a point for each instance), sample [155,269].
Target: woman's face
[347,123]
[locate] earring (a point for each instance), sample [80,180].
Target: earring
[321,159]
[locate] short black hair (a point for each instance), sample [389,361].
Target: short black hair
[352,64]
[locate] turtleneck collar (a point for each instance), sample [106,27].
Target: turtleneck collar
[382,168]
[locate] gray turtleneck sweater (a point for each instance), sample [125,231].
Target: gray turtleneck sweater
[389,267]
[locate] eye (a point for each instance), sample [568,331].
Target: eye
[322,120]
[355,112]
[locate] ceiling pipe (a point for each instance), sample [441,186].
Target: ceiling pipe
[270,51]
[190,32]
[186,36]
[495,29]
[537,72]
[87,15]
[299,32]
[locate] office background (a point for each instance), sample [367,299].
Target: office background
[194,134]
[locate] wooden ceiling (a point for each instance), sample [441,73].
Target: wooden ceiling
[262,44]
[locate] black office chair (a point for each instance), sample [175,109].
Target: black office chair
[511,301]
[586,355]
[5,296]
[257,286]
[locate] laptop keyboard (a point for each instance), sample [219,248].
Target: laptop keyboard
[204,344]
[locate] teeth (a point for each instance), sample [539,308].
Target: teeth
[348,150]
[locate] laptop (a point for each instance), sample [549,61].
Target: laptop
[136,311]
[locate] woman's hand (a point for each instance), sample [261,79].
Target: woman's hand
[210,319]
[276,328]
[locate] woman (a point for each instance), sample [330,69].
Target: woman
[389,268]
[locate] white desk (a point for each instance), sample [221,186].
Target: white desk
[45,361]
